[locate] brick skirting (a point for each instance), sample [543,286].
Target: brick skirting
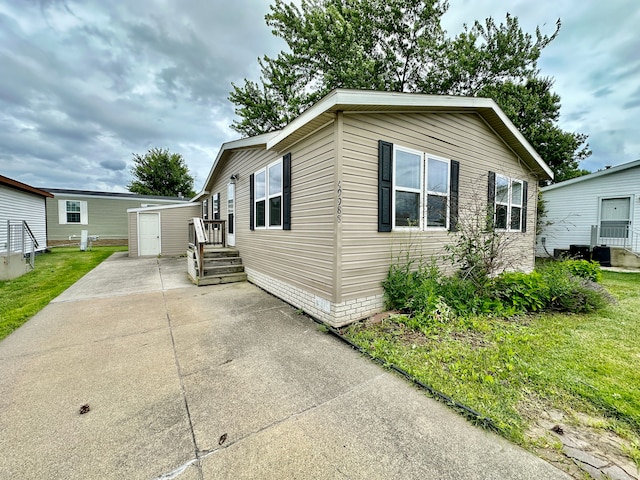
[335,314]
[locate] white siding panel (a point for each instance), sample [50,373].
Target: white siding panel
[572,210]
[16,205]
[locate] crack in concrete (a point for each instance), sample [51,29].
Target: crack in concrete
[185,401]
[293,415]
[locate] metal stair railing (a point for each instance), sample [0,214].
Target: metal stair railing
[19,236]
[616,236]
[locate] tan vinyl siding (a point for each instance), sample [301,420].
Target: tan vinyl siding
[302,256]
[174,229]
[133,234]
[366,254]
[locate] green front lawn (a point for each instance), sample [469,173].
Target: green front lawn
[55,271]
[514,370]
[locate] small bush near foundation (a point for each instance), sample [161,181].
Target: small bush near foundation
[426,293]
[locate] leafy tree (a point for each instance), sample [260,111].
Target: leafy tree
[159,172]
[535,109]
[399,45]
[360,44]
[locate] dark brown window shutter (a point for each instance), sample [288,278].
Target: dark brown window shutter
[525,193]
[454,192]
[286,192]
[385,185]
[491,200]
[251,198]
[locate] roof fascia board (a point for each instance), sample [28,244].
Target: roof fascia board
[591,176]
[523,141]
[399,99]
[240,143]
[63,194]
[160,207]
[9,182]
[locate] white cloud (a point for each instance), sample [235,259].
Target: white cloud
[85,84]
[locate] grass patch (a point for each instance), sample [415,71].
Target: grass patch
[507,368]
[55,271]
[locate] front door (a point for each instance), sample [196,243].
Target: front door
[615,217]
[231,218]
[149,233]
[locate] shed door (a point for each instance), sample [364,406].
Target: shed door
[149,233]
[615,217]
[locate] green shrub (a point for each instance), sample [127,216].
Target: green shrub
[398,286]
[524,292]
[572,286]
[432,298]
[584,269]
[424,296]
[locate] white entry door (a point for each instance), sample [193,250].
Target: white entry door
[231,217]
[615,217]
[149,233]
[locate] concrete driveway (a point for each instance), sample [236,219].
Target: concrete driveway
[214,383]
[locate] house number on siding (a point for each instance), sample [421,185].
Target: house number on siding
[339,208]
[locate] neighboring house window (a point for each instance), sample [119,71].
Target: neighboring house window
[507,199]
[421,193]
[72,212]
[270,196]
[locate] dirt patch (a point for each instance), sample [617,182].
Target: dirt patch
[577,443]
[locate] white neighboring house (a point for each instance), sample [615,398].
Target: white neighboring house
[595,210]
[23,225]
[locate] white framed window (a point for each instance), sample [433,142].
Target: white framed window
[72,212]
[267,196]
[215,206]
[421,190]
[438,185]
[508,204]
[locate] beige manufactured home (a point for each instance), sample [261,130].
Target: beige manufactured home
[319,209]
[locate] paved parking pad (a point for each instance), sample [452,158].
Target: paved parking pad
[217,382]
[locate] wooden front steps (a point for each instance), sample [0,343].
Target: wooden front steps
[221,265]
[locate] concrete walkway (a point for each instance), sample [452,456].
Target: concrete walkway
[214,383]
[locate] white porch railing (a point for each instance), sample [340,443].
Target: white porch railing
[616,234]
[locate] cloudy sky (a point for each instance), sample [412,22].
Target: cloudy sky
[86,84]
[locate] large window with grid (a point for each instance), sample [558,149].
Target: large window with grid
[421,190]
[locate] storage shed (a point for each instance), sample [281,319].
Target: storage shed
[160,230]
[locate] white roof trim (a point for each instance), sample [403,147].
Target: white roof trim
[374,98]
[241,143]
[160,207]
[591,176]
[400,99]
